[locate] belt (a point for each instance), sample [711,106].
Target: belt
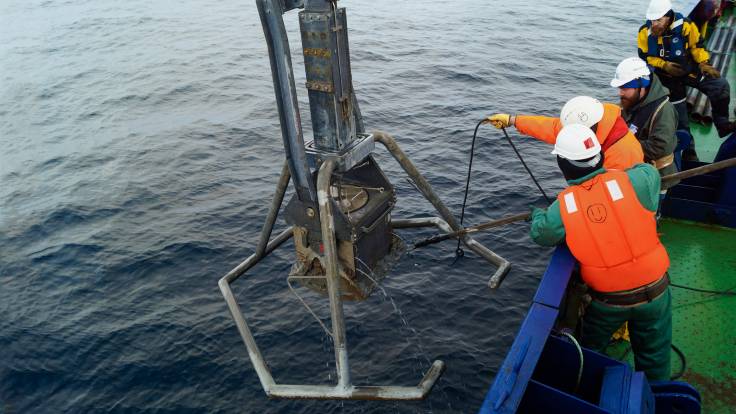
[664,161]
[644,294]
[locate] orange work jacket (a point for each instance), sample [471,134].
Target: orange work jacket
[611,234]
[621,149]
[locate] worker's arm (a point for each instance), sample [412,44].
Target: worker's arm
[662,139]
[646,182]
[643,45]
[544,128]
[694,42]
[547,228]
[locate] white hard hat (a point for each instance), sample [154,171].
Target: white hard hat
[628,70]
[658,8]
[576,142]
[582,110]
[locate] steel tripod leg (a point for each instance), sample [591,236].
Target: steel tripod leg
[273,213]
[263,249]
[503,265]
[256,358]
[390,143]
[327,223]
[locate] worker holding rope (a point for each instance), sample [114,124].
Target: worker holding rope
[607,220]
[620,146]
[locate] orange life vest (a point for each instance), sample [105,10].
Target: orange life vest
[611,234]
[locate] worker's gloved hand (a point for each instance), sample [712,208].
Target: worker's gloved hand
[709,71]
[499,120]
[674,69]
[535,211]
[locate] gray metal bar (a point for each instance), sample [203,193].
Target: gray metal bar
[390,143]
[700,102]
[259,364]
[503,265]
[271,12]
[327,222]
[273,213]
[364,392]
[724,60]
[719,45]
[243,267]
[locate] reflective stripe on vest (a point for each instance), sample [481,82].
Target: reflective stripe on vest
[611,234]
[674,45]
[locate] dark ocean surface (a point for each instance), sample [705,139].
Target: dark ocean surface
[140,150]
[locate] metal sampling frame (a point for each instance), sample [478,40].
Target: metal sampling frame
[340,145]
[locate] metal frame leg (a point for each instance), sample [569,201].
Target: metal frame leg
[449,220]
[327,222]
[273,213]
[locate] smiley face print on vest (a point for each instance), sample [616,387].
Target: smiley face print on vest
[597,213]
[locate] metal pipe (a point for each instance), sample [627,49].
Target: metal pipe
[724,59]
[273,213]
[694,96]
[503,265]
[364,392]
[327,223]
[421,183]
[704,169]
[243,267]
[698,106]
[256,358]
[390,143]
[719,45]
[270,12]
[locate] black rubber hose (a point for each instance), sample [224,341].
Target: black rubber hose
[677,350]
[549,201]
[458,251]
[684,362]
[727,292]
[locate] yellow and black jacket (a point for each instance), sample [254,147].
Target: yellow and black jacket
[680,44]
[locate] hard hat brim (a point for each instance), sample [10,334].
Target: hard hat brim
[655,16]
[617,83]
